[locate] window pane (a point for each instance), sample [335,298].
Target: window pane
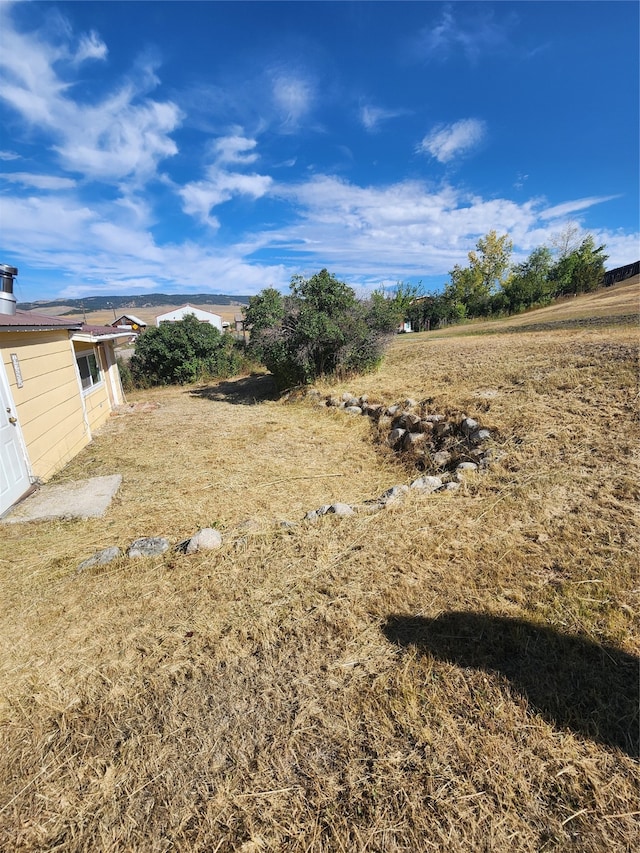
[89,370]
[93,367]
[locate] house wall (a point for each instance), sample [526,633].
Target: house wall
[97,399]
[49,405]
[199,314]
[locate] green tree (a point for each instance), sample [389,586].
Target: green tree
[183,352]
[323,330]
[473,286]
[580,271]
[264,310]
[530,283]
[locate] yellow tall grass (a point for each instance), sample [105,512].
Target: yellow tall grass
[455,673]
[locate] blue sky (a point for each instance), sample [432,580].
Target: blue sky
[224,147]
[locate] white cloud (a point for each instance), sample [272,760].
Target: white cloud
[478,34]
[222,184]
[91,46]
[235,149]
[9,155]
[40,182]
[94,254]
[567,207]
[371,117]
[200,197]
[445,142]
[292,97]
[123,135]
[120,140]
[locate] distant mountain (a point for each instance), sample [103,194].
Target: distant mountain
[146,300]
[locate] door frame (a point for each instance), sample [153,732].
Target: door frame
[22,447]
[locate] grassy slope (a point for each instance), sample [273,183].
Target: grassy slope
[290,692]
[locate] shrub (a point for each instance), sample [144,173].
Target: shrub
[321,329]
[126,377]
[183,352]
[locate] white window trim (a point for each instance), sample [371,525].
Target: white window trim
[94,385]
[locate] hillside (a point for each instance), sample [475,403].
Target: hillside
[124,303]
[456,672]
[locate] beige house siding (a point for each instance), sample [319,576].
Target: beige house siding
[49,405]
[97,400]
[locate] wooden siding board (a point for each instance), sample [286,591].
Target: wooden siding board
[49,405]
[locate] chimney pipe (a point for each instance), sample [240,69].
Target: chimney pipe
[7,299]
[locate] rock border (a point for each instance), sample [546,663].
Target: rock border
[447,449]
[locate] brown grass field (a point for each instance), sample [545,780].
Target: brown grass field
[457,673]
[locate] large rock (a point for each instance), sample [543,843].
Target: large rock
[396,436]
[207,539]
[413,440]
[479,435]
[353,410]
[410,421]
[441,458]
[395,494]
[468,425]
[342,510]
[425,485]
[107,555]
[148,546]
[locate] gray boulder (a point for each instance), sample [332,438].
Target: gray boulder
[148,546]
[395,494]
[342,510]
[425,485]
[107,555]
[441,458]
[396,436]
[413,440]
[468,425]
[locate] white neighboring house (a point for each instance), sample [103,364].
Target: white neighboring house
[199,314]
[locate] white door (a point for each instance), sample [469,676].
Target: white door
[14,472]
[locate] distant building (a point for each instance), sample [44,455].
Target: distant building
[129,321]
[198,313]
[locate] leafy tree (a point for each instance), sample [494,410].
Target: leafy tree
[321,329]
[529,283]
[183,352]
[264,310]
[580,271]
[471,288]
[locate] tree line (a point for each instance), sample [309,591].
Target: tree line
[490,285]
[320,328]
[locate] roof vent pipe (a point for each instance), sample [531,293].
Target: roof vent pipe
[7,299]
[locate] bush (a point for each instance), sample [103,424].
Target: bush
[126,377]
[183,352]
[321,329]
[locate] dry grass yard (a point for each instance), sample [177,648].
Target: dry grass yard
[458,673]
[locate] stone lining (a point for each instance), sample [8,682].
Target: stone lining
[443,451]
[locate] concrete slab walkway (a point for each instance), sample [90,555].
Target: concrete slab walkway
[82,499]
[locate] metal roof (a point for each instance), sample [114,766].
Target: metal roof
[29,321]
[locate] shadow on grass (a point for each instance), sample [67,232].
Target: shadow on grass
[571,681]
[243,392]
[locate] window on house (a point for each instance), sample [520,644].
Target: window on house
[89,371]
